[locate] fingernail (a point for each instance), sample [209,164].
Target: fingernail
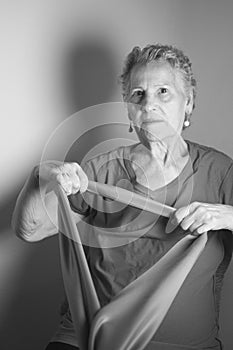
[169,228]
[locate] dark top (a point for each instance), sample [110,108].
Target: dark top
[121,242]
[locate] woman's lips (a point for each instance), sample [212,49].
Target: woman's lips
[152,121]
[152,118]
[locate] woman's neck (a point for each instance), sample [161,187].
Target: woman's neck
[156,165]
[165,153]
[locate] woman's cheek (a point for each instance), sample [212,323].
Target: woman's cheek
[134,113]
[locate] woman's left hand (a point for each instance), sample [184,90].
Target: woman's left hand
[201,217]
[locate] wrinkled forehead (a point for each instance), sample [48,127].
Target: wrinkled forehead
[156,73]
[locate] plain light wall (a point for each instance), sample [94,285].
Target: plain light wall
[58,57]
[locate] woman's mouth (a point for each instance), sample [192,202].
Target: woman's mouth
[152,121]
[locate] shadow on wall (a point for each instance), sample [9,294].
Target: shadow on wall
[6,209]
[90,75]
[88,78]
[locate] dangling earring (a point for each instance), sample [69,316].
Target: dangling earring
[186,123]
[130,127]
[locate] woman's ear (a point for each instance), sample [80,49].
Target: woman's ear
[129,110]
[189,104]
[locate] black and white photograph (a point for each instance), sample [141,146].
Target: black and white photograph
[116,206]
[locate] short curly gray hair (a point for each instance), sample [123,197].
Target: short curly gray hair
[158,52]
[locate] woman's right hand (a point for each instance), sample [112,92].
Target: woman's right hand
[70,176]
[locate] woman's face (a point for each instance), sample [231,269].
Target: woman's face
[157,101]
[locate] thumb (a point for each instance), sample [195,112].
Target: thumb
[171,224]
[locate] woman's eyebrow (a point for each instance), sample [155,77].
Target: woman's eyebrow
[137,88]
[163,84]
[133,89]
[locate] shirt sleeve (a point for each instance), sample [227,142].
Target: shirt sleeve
[226,188]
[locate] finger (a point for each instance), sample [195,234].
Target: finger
[180,214]
[176,219]
[195,226]
[195,217]
[75,175]
[75,180]
[198,217]
[75,183]
[82,177]
[65,182]
[171,224]
[192,221]
[196,234]
[187,210]
[188,222]
[203,228]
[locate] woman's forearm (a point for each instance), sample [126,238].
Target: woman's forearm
[35,214]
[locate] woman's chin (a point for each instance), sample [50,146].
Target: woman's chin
[169,136]
[151,137]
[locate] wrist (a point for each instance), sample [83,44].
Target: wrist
[229,223]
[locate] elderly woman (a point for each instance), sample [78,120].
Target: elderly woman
[159,88]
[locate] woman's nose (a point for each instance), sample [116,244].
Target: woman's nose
[149,108]
[149,104]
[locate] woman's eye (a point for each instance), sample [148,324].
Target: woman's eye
[165,94]
[137,94]
[163,90]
